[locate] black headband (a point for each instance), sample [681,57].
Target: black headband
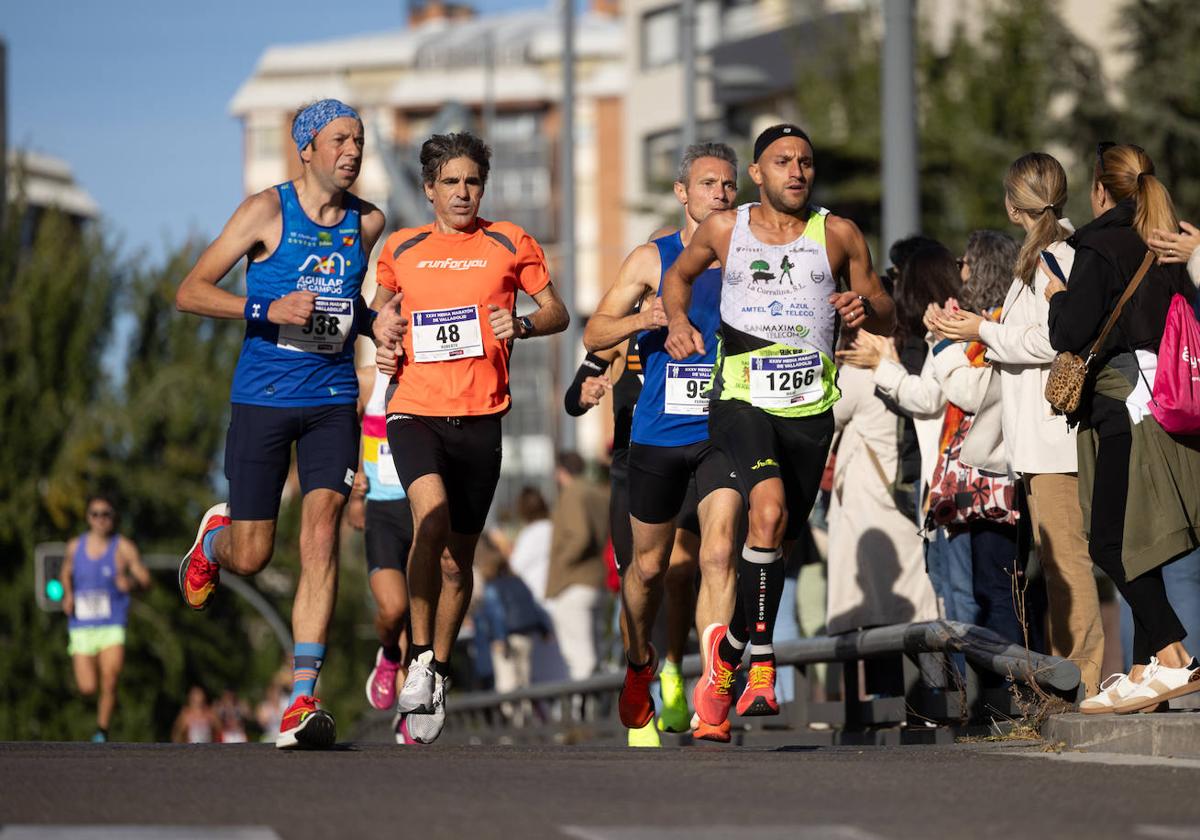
[774,133]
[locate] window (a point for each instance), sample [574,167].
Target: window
[660,37]
[513,127]
[660,159]
[264,142]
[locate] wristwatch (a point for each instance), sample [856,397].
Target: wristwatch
[526,326]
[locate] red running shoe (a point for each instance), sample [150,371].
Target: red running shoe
[705,732]
[306,727]
[713,694]
[198,575]
[758,700]
[635,703]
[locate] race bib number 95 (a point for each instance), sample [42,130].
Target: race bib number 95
[687,389]
[786,381]
[326,330]
[442,334]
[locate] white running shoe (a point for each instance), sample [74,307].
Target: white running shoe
[424,729]
[417,695]
[1113,691]
[1159,684]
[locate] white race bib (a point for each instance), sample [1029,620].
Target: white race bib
[92,606]
[326,330]
[386,466]
[786,381]
[686,391]
[442,334]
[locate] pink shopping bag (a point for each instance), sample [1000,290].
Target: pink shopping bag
[1176,394]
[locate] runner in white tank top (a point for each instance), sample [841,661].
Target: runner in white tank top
[784,262]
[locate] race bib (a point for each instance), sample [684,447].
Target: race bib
[786,381]
[442,334]
[386,466]
[92,606]
[326,330]
[687,389]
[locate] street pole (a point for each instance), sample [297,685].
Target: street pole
[687,53]
[901,196]
[489,83]
[566,227]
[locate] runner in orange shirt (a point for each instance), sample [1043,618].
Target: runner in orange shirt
[458,278]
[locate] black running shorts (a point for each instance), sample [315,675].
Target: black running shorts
[762,446]
[659,477]
[464,451]
[258,454]
[388,535]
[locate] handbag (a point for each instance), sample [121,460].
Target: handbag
[1175,401]
[1068,372]
[959,493]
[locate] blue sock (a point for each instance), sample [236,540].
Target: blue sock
[207,544]
[306,665]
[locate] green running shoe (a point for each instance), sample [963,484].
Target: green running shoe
[647,736]
[675,716]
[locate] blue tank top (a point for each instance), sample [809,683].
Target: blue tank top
[98,602]
[672,409]
[311,364]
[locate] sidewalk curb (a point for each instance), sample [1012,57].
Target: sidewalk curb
[1169,734]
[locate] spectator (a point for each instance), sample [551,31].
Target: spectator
[231,715]
[270,710]
[196,723]
[530,557]
[1137,520]
[575,583]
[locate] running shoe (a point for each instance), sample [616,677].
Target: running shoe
[400,728]
[381,683]
[759,697]
[425,728]
[675,715]
[647,736]
[635,703]
[702,731]
[99,738]
[1160,684]
[306,727]
[417,695]
[713,694]
[1113,692]
[198,574]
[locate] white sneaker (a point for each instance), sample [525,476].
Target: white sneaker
[1113,691]
[417,695]
[1159,684]
[425,728]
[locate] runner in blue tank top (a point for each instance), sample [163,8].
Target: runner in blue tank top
[306,244]
[670,458]
[99,571]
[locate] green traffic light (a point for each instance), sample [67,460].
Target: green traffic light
[54,590]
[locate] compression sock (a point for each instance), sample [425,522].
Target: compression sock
[442,669]
[760,588]
[391,653]
[415,651]
[306,667]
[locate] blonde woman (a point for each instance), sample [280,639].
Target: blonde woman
[1038,443]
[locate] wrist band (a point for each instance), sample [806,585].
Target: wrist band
[256,308]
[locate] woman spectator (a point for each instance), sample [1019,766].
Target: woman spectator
[530,557]
[1037,442]
[1138,519]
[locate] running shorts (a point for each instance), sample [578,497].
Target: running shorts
[388,534]
[89,641]
[659,477]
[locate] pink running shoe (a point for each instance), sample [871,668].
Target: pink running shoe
[381,683]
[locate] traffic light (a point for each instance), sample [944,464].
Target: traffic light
[47,575]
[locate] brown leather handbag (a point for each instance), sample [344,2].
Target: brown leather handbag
[1068,372]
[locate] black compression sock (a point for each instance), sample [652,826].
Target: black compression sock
[442,669]
[760,588]
[415,651]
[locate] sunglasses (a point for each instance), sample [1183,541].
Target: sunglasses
[962,261]
[100,514]
[1104,145]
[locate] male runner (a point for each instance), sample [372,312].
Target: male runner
[99,571]
[458,277]
[774,384]
[670,449]
[306,243]
[379,508]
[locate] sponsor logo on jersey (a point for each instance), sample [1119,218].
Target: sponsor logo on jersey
[333,264]
[295,237]
[764,462]
[324,237]
[348,241]
[818,276]
[452,265]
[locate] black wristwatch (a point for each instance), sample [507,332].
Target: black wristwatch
[526,326]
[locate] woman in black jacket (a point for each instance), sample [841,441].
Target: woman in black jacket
[1129,202]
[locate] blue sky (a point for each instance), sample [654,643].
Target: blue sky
[134,96]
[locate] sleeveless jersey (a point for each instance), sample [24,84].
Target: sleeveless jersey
[312,364]
[98,602]
[672,409]
[625,394]
[383,482]
[778,328]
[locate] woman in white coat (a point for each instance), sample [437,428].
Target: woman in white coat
[1036,442]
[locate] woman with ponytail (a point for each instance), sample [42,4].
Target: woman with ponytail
[1139,488]
[1039,445]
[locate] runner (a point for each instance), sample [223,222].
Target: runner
[306,243]
[99,571]
[379,508]
[458,277]
[670,455]
[774,383]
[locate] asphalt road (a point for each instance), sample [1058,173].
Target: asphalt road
[377,790]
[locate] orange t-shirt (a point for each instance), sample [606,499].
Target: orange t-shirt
[453,365]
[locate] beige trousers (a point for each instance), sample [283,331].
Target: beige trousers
[1075,628]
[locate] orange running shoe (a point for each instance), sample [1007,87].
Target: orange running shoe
[759,697]
[713,694]
[198,575]
[635,704]
[306,727]
[706,732]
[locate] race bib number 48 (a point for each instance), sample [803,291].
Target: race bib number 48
[786,381]
[442,334]
[326,330]
[687,389]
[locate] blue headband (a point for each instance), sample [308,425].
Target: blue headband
[316,116]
